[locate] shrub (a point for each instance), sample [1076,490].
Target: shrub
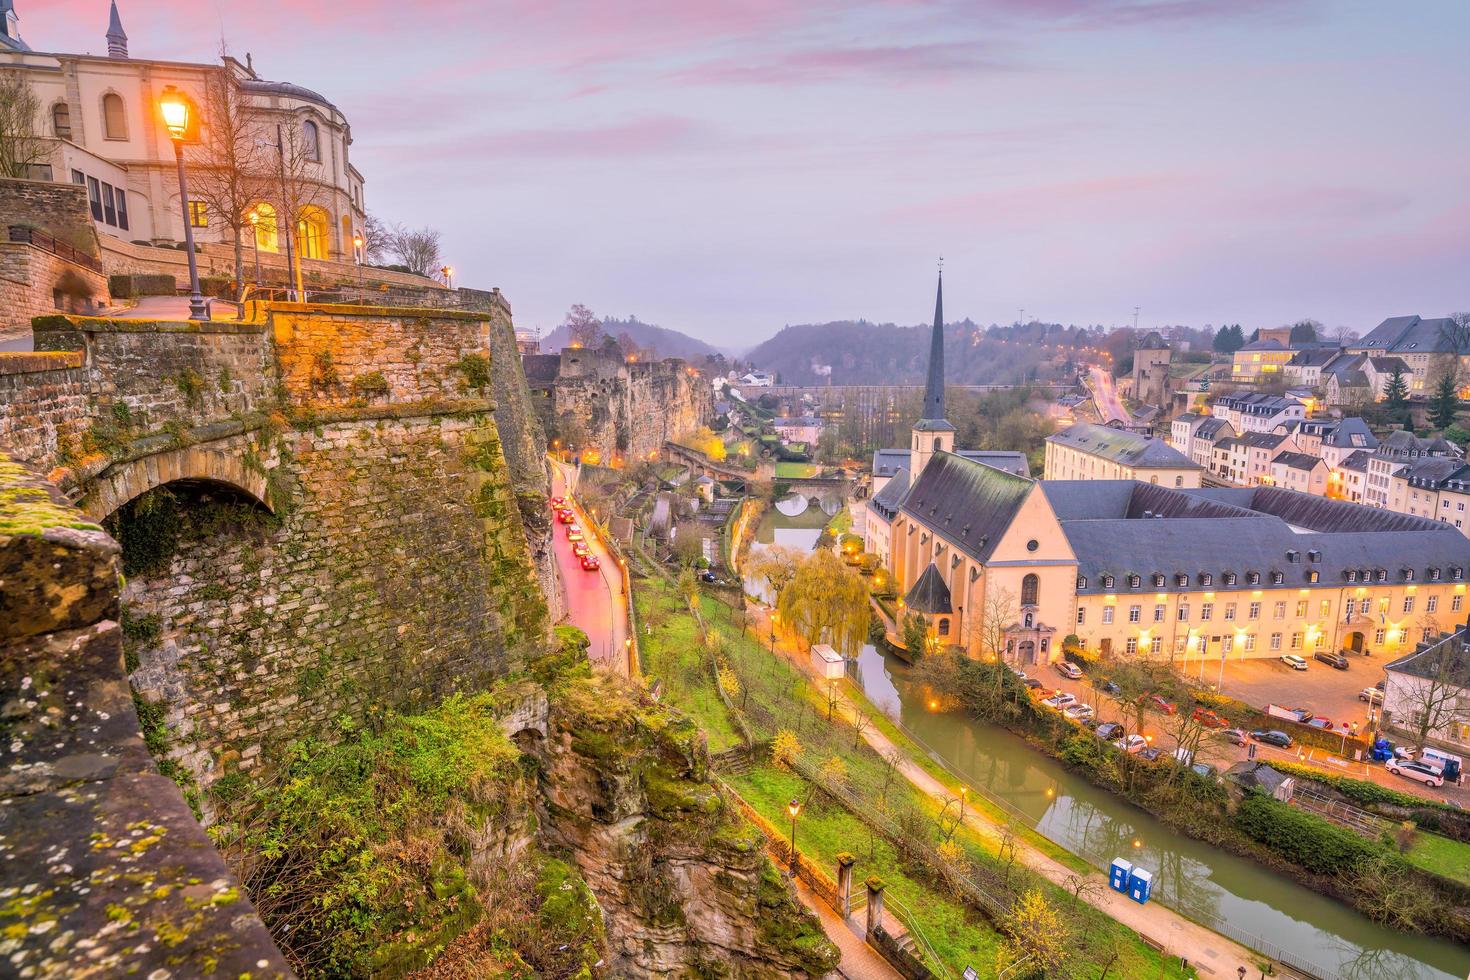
[371,384]
[1302,838]
[131,287]
[1360,790]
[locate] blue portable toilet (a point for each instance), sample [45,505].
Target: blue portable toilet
[1140,885]
[1118,875]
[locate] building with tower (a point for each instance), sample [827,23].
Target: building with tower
[99,121]
[1151,370]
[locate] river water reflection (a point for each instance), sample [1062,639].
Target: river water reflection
[1188,874]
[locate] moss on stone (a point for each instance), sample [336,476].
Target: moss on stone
[26,507]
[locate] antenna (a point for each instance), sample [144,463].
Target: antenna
[1135,318]
[1021,322]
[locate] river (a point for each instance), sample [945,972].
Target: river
[1189,875]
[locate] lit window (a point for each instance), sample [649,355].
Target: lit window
[1107,615]
[1296,641]
[1250,641]
[1378,636]
[1275,641]
[1229,612]
[198,214]
[1254,612]
[1135,613]
[1301,609]
[1325,609]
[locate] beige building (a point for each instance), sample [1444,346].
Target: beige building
[1262,362]
[1087,451]
[100,121]
[1006,566]
[1151,370]
[1435,487]
[1299,471]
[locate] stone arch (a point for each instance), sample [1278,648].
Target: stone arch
[122,482]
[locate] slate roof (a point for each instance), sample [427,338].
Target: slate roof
[290,90]
[929,595]
[1411,334]
[1341,435]
[968,504]
[1210,429]
[887,462]
[1127,448]
[1435,472]
[1298,461]
[1314,356]
[886,501]
[1448,657]
[1123,527]
[932,418]
[1386,364]
[1357,461]
[1257,775]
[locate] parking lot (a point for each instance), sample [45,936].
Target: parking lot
[1322,688]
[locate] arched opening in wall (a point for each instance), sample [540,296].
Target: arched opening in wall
[61,121]
[267,237]
[155,525]
[312,231]
[529,740]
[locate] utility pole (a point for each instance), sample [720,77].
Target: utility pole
[1022,321]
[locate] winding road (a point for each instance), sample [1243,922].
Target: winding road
[594,600]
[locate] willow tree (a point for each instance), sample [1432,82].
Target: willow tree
[826,602]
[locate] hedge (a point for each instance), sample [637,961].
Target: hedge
[1300,837]
[1362,791]
[131,287]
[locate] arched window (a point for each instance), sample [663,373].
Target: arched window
[1030,590]
[943,626]
[936,444]
[267,237]
[61,121]
[1030,620]
[311,140]
[312,230]
[114,117]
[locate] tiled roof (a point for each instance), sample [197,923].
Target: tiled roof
[1357,461]
[1447,657]
[929,595]
[1413,334]
[1299,461]
[965,502]
[1342,435]
[1128,448]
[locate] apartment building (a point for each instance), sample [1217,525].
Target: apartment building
[1257,411]
[1086,451]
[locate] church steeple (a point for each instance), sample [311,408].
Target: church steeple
[117,38]
[932,433]
[932,419]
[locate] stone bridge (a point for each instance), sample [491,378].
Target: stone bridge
[325,513]
[702,465]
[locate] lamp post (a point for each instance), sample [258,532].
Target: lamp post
[255,241]
[357,251]
[793,808]
[964,792]
[175,109]
[774,616]
[448,272]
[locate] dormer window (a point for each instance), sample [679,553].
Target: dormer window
[1457,573]
[1314,556]
[1229,578]
[1312,575]
[1134,581]
[1107,581]
[1352,576]
[1081,583]
[1158,580]
[1293,556]
[1408,574]
[1381,575]
[1252,578]
[1277,578]
[1181,581]
[1434,575]
[1206,579]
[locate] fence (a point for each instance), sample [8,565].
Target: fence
[1339,812]
[46,243]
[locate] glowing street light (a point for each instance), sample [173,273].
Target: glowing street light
[793,808]
[448,273]
[357,243]
[175,110]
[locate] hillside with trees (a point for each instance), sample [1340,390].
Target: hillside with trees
[646,338]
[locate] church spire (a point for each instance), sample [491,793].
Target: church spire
[932,419]
[117,38]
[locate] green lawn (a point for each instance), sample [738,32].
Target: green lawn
[796,471]
[1442,856]
[673,654]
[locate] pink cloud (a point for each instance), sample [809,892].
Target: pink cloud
[827,64]
[633,138]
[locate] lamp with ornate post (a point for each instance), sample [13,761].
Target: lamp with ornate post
[175,109]
[793,808]
[448,272]
[357,251]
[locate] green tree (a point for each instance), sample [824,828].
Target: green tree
[1304,332]
[1396,389]
[1445,404]
[916,634]
[1229,339]
[827,602]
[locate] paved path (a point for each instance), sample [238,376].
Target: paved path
[594,599]
[171,308]
[859,960]
[1208,951]
[1109,405]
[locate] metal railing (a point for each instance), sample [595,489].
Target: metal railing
[48,243]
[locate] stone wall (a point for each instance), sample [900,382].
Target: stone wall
[624,411]
[107,873]
[31,279]
[44,405]
[58,209]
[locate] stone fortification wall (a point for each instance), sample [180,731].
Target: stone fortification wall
[33,282]
[44,405]
[58,209]
[107,871]
[625,411]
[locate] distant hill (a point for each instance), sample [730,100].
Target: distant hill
[858,352]
[666,342]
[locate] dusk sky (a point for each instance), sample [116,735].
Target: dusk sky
[724,169]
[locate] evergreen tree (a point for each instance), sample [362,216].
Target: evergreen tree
[1304,331]
[1445,404]
[1396,389]
[1229,339]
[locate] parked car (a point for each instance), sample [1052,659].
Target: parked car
[1031,684]
[1151,754]
[565,515]
[1078,712]
[1371,694]
[1381,683]
[1158,703]
[1204,769]
[1108,730]
[1068,669]
[1132,744]
[1271,736]
[1208,718]
[1318,722]
[1234,736]
[1426,774]
[590,563]
[1294,662]
[1109,687]
[1331,659]
[1060,700]
[557,503]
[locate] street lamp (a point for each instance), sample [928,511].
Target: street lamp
[774,616]
[175,109]
[964,792]
[448,272]
[793,808]
[357,251]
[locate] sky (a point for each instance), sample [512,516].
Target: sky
[728,168]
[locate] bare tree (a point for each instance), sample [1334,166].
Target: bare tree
[377,240]
[295,184]
[21,146]
[230,168]
[416,248]
[1434,696]
[583,325]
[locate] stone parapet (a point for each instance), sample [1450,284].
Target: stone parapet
[107,872]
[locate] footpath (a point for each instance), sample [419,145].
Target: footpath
[1206,950]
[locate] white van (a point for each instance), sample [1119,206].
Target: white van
[1450,765]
